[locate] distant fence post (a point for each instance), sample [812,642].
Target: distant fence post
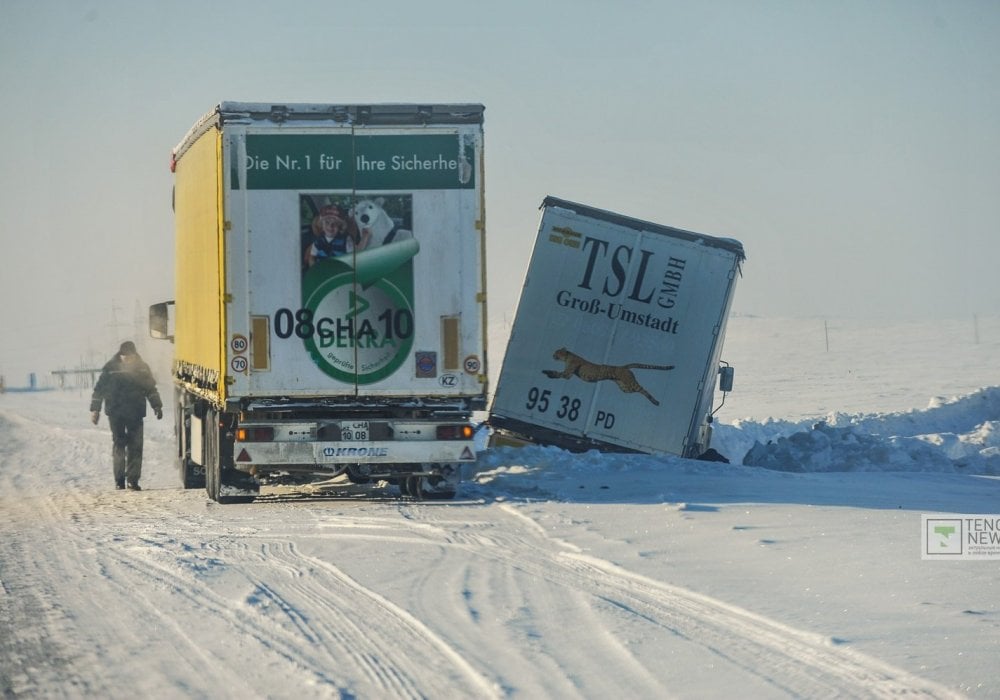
[826,334]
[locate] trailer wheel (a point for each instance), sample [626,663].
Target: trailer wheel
[443,486]
[441,491]
[211,458]
[216,476]
[432,488]
[356,474]
[411,486]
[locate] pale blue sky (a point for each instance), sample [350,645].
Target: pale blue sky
[853,147]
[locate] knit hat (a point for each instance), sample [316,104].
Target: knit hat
[127,348]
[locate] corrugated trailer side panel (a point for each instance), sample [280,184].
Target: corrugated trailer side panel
[199,310]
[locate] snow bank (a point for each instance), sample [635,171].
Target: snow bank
[956,435]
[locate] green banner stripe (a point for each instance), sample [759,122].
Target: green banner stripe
[342,161]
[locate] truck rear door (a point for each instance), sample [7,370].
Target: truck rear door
[354,259]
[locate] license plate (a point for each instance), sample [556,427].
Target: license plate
[354,431]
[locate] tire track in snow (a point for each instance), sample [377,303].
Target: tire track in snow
[193,595]
[315,617]
[791,660]
[387,630]
[119,543]
[331,627]
[47,642]
[112,563]
[318,639]
[802,663]
[537,634]
[276,650]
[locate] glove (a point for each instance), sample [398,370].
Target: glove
[95,416]
[158,412]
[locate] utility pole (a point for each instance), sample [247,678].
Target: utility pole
[116,325]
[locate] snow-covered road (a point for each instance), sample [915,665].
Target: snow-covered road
[515,590]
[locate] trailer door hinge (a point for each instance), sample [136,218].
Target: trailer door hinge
[227,298]
[230,380]
[227,225]
[481,298]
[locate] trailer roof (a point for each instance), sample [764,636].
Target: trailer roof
[378,114]
[360,115]
[730,244]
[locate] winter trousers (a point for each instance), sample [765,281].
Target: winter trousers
[126,450]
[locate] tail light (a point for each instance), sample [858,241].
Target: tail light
[255,434]
[455,432]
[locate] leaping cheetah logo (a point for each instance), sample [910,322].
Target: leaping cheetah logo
[592,372]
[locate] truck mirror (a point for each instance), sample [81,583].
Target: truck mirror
[159,321]
[726,379]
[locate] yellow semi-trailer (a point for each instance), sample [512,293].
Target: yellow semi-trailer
[329,318]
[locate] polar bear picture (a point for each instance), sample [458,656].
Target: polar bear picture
[375,223]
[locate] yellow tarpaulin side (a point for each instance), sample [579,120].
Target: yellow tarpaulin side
[199,281]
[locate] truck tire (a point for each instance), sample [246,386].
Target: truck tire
[445,486]
[216,475]
[421,488]
[439,492]
[211,458]
[410,486]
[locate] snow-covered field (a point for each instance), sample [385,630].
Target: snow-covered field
[553,575]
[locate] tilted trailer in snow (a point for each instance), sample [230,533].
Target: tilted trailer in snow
[618,334]
[330,307]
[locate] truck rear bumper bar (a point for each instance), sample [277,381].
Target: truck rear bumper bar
[276,454]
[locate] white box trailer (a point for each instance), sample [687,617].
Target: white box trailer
[618,334]
[330,295]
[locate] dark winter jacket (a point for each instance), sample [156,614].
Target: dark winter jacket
[124,387]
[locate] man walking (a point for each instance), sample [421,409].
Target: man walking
[125,384]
